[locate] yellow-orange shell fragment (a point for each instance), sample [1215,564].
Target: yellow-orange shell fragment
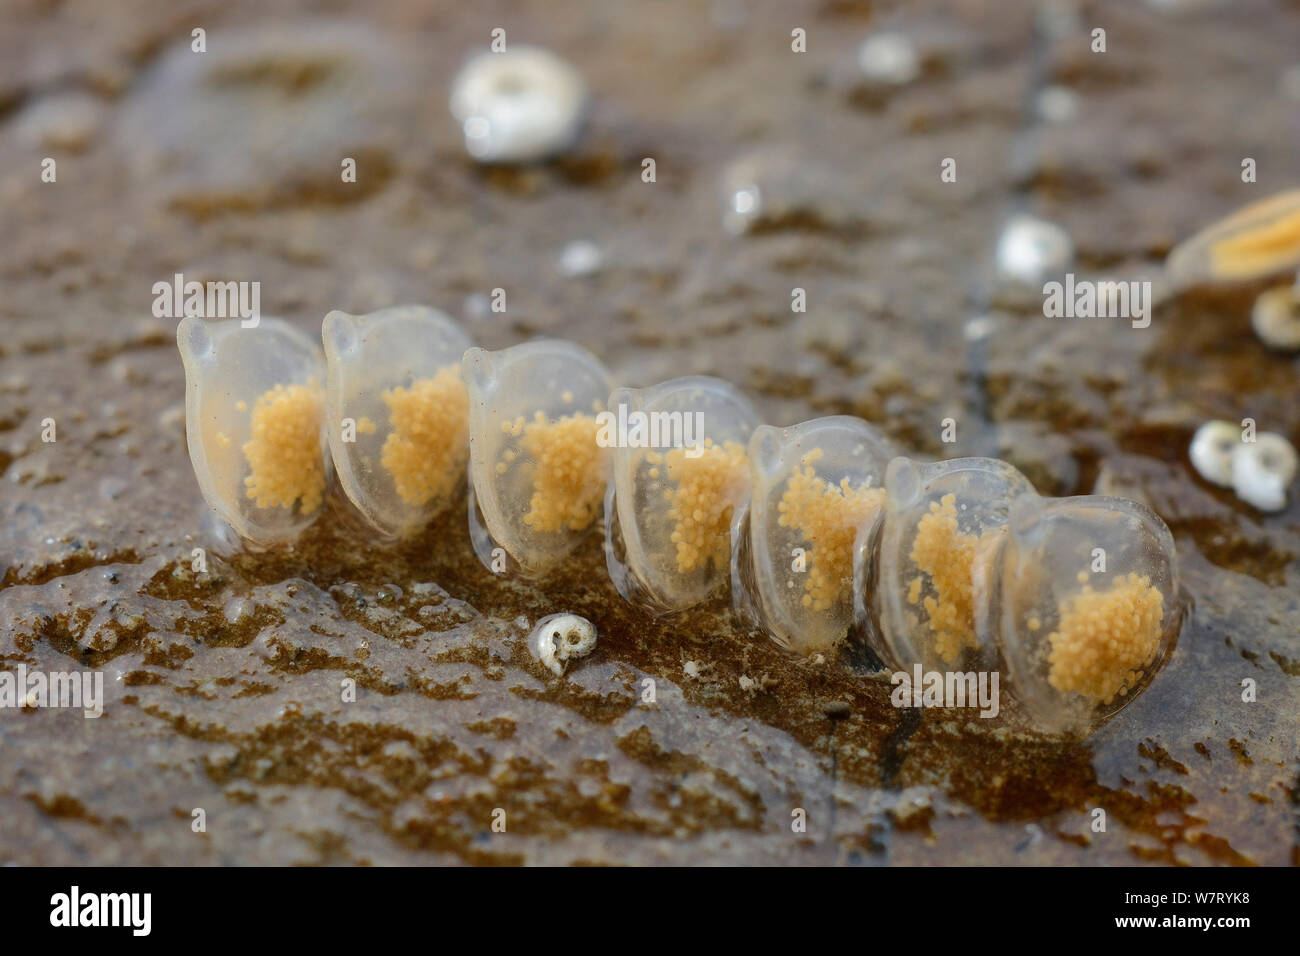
[1259,240]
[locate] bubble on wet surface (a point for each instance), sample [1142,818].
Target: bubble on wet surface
[579,258]
[979,327]
[889,58]
[746,201]
[1030,250]
[1057,104]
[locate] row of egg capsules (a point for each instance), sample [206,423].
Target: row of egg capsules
[818,529]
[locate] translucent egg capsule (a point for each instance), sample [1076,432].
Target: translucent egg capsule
[537,472]
[812,487]
[398,413]
[923,571]
[1086,605]
[680,473]
[254,422]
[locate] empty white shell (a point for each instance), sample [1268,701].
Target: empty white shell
[1275,317]
[254,423]
[521,105]
[1211,451]
[537,473]
[1262,471]
[1086,605]
[919,601]
[397,413]
[560,638]
[813,486]
[680,474]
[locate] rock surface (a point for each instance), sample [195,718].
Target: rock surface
[225,688]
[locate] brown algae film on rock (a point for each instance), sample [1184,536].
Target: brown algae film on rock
[815,486]
[1088,604]
[680,474]
[254,421]
[537,471]
[398,413]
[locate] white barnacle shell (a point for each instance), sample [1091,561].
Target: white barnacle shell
[559,638]
[519,106]
[1275,317]
[1030,250]
[1262,470]
[1211,451]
